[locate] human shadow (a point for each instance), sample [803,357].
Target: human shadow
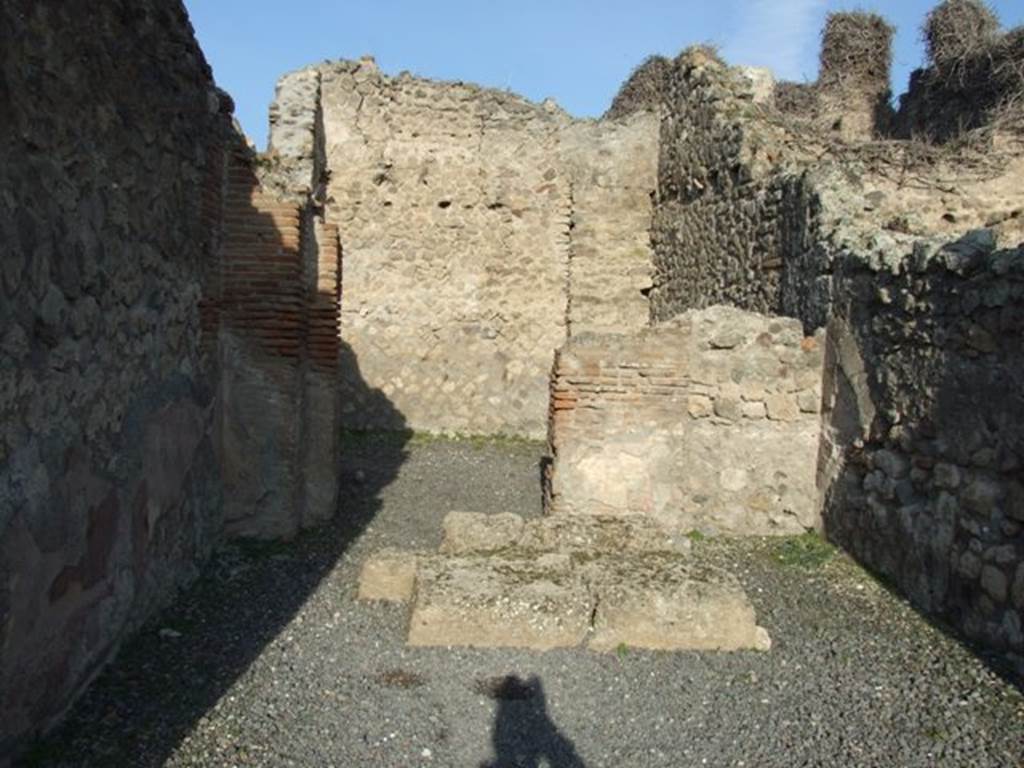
[524,734]
[175,669]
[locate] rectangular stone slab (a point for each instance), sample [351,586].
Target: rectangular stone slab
[389,575]
[665,603]
[480,533]
[537,603]
[631,535]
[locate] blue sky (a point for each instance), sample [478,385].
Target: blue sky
[575,51]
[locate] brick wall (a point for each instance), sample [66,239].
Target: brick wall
[707,422]
[279,314]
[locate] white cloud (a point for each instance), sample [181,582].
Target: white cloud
[779,34]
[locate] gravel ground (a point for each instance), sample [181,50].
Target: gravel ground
[269,661]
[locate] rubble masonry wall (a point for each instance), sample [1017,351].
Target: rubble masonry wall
[921,458]
[110,495]
[467,216]
[726,215]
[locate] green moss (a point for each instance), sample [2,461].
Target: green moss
[497,440]
[356,438]
[807,550]
[695,536]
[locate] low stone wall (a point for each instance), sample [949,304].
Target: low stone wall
[922,450]
[709,422]
[110,493]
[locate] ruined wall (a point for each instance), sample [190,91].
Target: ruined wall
[973,78]
[851,95]
[776,212]
[614,167]
[708,422]
[921,461]
[881,194]
[110,171]
[721,220]
[645,90]
[457,207]
[278,330]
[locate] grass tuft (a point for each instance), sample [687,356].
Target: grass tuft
[808,550]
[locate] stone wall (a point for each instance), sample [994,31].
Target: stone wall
[749,198]
[110,494]
[773,212]
[613,167]
[921,458]
[722,217]
[708,422]
[278,326]
[467,215]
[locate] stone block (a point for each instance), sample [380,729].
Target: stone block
[600,534]
[728,408]
[754,409]
[479,533]
[808,401]
[389,575]
[782,408]
[669,604]
[531,602]
[993,581]
[1017,594]
[699,406]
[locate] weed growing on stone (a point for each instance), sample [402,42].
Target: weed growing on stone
[353,438]
[695,536]
[621,651]
[477,441]
[808,550]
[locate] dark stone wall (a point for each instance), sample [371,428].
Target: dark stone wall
[110,186]
[922,450]
[725,215]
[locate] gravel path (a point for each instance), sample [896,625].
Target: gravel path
[269,661]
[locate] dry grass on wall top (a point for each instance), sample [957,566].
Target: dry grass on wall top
[856,51]
[799,99]
[969,52]
[956,31]
[644,89]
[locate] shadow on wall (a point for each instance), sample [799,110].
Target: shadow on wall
[924,440]
[269,318]
[181,663]
[524,734]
